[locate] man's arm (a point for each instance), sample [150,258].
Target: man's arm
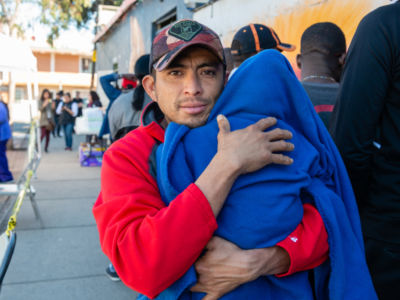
[150,245]
[105,81]
[224,267]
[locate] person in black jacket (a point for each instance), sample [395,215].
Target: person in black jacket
[67,110]
[366,128]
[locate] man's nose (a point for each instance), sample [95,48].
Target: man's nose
[192,84]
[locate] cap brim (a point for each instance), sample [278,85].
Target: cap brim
[166,59]
[286,47]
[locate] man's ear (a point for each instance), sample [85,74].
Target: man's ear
[298,60]
[342,59]
[149,86]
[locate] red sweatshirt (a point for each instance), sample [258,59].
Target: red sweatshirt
[151,245]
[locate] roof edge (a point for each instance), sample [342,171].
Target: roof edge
[125,6]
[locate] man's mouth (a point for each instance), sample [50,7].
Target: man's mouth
[193,108]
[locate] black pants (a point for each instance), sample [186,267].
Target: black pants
[383,260]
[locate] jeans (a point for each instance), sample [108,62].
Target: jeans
[45,134]
[57,128]
[5,174]
[68,134]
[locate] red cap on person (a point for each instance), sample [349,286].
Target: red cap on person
[128,84]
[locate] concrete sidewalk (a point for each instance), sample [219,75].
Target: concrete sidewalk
[63,260]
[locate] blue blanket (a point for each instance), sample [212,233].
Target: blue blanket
[264,207]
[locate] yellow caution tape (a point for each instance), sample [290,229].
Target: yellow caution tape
[12,221]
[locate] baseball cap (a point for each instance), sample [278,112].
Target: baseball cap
[256,37]
[128,84]
[178,36]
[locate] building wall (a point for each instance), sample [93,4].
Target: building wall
[43,61]
[66,63]
[132,36]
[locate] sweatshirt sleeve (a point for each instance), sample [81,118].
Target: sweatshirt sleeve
[307,245]
[105,82]
[150,245]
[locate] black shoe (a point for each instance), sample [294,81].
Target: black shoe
[111,273]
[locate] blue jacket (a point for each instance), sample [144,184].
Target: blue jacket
[112,94]
[264,207]
[5,130]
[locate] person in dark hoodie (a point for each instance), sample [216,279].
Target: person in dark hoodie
[366,128]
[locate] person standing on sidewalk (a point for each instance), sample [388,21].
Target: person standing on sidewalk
[124,114]
[366,128]
[57,101]
[252,39]
[321,60]
[67,110]
[78,100]
[5,135]
[113,92]
[46,122]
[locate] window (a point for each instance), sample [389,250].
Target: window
[86,65]
[164,21]
[20,93]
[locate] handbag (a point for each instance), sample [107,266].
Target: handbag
[50,125]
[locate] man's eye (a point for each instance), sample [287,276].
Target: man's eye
[209,72]
[175,73]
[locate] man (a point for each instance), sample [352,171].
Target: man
[365,126]
[321,60]
[78,100]
[253,38]
[113,92]
[57,101]
[150,244]
[124,114]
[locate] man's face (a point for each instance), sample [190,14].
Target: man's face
[188,88]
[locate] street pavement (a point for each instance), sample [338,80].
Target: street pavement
[62,260]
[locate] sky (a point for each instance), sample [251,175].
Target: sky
[71,39]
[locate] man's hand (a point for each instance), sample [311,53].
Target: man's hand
[225,266]
[242,151]
[252,148]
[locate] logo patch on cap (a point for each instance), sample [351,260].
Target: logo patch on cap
[185,30]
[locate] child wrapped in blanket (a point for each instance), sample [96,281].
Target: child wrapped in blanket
[264,207]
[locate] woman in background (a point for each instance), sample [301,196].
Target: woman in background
[67,111]
[5,135]
[94,100]
[46,107]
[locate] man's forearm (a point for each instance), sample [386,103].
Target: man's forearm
[216,181]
